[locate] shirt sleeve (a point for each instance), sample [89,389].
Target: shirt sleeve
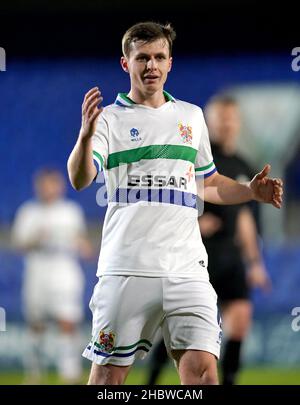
[204,164]
[100,143]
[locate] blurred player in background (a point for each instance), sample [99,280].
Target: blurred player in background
[51,232]
[230,235]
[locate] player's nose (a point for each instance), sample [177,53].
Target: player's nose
[152,64]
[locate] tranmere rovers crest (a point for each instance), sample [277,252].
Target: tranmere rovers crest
[186,133]
[106,341]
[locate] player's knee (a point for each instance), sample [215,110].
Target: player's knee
[239,333]
[240,328]
[197,367]
[237,320]
[200,376]
[209,377]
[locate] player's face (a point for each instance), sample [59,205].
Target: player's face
[49,188]
[224,122]
[148,65]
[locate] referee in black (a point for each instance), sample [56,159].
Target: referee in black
[230,235]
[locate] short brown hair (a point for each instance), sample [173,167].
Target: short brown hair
[147,32]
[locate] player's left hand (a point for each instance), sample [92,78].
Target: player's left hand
[265,189]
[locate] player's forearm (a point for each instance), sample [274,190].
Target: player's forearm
[26,242]
[247,236]
[223,190]
[81,168]
[29,245]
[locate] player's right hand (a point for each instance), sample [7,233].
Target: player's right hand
[90,112]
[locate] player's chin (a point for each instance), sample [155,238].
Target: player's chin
[152,87]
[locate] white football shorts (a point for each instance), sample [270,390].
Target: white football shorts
[129,310]
[53,294]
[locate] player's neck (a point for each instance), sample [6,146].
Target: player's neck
[154,100]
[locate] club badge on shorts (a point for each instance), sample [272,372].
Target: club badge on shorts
[106,341]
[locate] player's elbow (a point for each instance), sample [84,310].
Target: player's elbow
[80,177]
[77,184]
[76,187]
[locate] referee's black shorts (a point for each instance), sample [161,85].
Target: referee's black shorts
[227,272]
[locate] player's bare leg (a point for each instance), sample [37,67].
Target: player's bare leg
[34,355]
[196,367]
[108,374]
[69,359]
[236,317]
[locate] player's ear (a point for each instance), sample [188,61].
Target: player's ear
[170,64]
[124,64]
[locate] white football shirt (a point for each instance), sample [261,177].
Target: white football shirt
[57,226]
[150,157]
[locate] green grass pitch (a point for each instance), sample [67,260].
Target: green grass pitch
[137,376]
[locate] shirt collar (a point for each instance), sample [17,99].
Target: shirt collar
[124,101]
